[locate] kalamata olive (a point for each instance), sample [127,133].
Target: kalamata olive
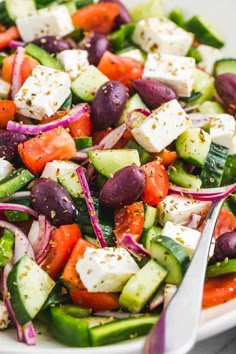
[51,44]
[95,44]
[123,188]
[51,200]
[123,17]
[108,104]
[9,143]
[225,85]
[225,246]
[153,92]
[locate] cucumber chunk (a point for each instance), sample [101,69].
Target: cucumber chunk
[181,177]
[14,182]
[136,292]
[211,107]
[20,8]
[134,102]
[149,234]
[6,247]
[107,162]
[226,65]
[29,287]
[85,86]
[150,216]
[70,182]
[213,168]
[171,255]
[203,83]
[203,32]
[193,146]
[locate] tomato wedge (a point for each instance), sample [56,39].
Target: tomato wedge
[7,112]
[218,290]
[129,219]
[81,127]
[55,144]
[157,183]
[26,67]
[96,17]
[7,36]
[62,242]
[97,301]
[119,68]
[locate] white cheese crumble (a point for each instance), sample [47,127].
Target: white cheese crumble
[162,35]
[106,269]
[74,61]
[43,92]
[176,71]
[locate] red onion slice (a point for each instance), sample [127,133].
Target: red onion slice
[207,194]
[16,44]
[22,244]
[18,207]
[74,114]
[16,75]
[90,206]
[113,137]
[198,119]
[157,300]
[29,333]
[41,245]
[133,246]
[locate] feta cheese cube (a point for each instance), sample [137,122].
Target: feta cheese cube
[43,92]
[49,21]
[222,129]
[178,209]
[74,61]
[173,70]
[162,35]
[6,168]
[232,148]
[209,56]
[106,269]
[162,127]
[55,169]
[4,88]
[187,237]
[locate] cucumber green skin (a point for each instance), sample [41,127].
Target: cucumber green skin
[221,268]
[148,235]
[193,146]
[177,17]
[67,104]
[85,86]
[213,169]
[6,247]
[171,255]
[194,53]
[26,307]
[229,170]
[137,292]
[107,162]
[223,66]
[43,57]
[121,330]
[202,32]
[150,216]
[14,182]
[83,142]
[178,175]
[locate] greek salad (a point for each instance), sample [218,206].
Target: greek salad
[117,132]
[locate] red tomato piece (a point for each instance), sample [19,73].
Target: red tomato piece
[55,144]
[26,68]
[218,290]
[7,36]
[7,112]
[157,183]
[97,301]
[119,68]
[129,219]
[81,127]
[62,242]
[96,17]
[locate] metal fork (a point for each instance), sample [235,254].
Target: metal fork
[176,330]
